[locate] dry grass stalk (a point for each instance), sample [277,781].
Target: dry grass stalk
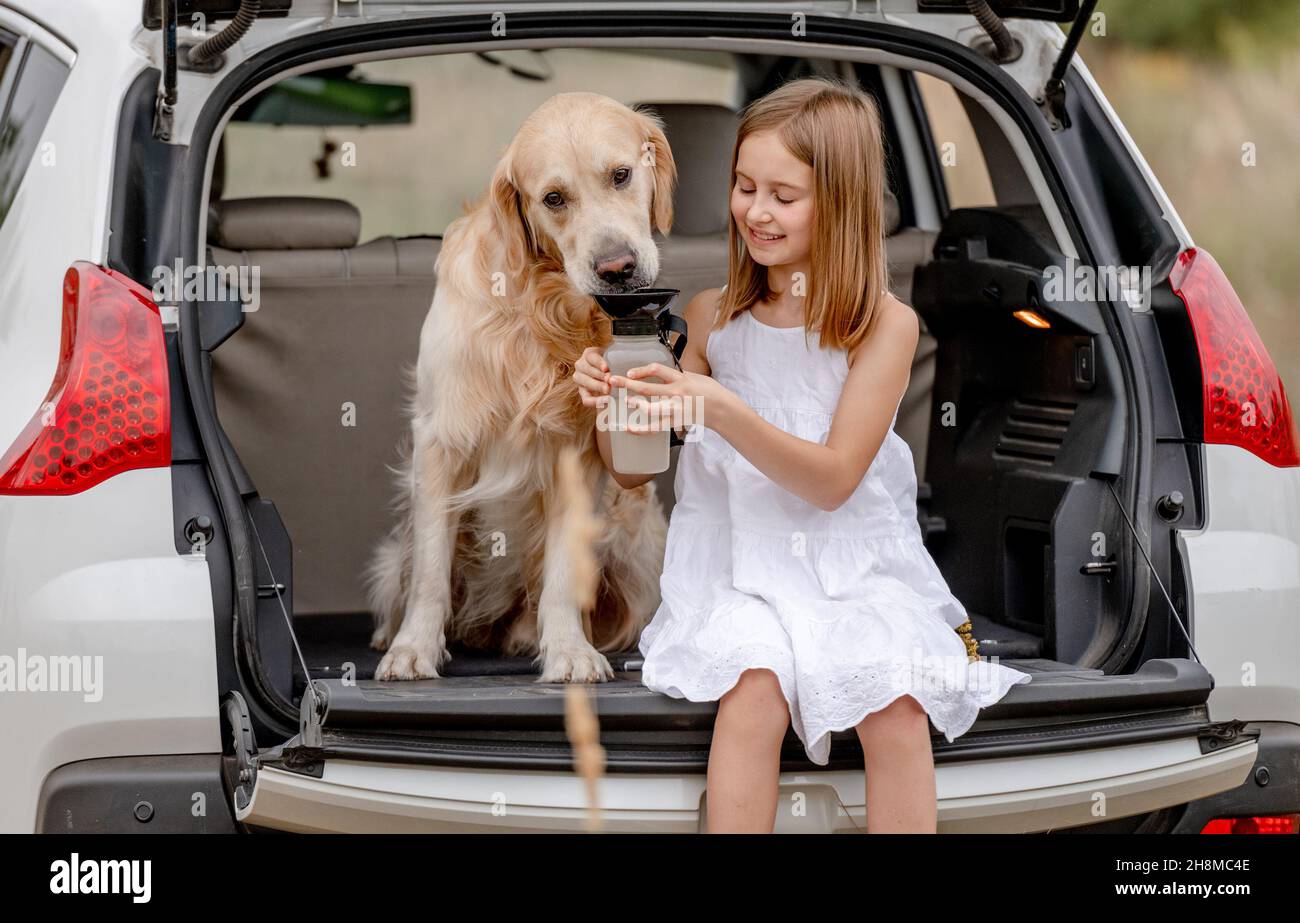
[583,730]
[581,528]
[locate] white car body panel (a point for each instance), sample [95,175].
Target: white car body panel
[1245,583]
[97,574]
[1012,795]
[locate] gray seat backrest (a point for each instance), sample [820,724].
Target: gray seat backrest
[310,389]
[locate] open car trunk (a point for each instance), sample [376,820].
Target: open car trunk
[1019,429]
[1011,501]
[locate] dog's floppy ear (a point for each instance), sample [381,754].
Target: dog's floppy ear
[508,218]
[656,153]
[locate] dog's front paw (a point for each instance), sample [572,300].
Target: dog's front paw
[382,638]
[407,662]
[578,663]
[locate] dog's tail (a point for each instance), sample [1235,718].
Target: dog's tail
[388,575]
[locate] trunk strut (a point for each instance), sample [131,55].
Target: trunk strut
[1178,619]
[315,705]
[1053,98]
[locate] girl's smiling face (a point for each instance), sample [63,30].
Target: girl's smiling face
[772,201]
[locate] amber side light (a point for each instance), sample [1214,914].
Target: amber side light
[1032,318]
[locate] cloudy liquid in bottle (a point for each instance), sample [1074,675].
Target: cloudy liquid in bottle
[635,453]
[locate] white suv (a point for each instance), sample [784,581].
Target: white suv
[1108,463]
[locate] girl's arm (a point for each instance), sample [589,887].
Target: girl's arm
[826,475]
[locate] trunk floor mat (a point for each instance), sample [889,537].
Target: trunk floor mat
[330,641]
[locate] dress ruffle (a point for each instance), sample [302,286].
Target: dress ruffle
[845,641]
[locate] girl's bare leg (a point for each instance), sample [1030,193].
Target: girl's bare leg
[901,795]
[745,756]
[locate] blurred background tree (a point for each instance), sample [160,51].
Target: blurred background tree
[1210,91]
[1241,31]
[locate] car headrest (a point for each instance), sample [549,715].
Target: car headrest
[284,223]
[701,136]
[892,215]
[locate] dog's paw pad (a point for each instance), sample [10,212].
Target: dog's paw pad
[577,665]
[404,662]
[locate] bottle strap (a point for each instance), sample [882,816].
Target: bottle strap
[668,322]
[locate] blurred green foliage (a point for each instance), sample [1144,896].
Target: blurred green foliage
[1236,30]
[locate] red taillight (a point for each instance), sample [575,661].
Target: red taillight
[1244,401]
[108,409]
[1283,823]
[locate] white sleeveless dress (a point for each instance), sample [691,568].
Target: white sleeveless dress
[846,607]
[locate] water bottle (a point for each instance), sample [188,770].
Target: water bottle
[640,323]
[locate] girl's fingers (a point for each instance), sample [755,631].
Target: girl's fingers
[594,360]
[639,387]
[594,384]
[651,417]
[654,369]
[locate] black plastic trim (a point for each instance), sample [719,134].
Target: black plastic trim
[504,703]
[136,794]
[1042,737]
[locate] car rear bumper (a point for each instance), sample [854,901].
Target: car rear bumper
[1270,789]
[1013,795]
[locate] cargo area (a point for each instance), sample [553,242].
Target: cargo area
[1014,427]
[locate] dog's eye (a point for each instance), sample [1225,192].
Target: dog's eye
[621,176]
[553,200]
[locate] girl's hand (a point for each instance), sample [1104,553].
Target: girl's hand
[683,397]
[591,373]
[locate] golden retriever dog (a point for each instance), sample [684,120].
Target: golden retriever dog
[479,554]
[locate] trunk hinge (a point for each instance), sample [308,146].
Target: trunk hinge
[207,57]
[1223,734]
[239,766]
[1052,99]
[311,715]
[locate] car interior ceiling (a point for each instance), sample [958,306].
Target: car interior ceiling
[316,343]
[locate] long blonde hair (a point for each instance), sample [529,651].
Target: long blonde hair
[835,128]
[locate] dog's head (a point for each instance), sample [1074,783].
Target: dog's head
[581,183]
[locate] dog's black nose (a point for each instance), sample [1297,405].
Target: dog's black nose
[618,269]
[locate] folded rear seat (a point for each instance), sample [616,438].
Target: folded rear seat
[335,326]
